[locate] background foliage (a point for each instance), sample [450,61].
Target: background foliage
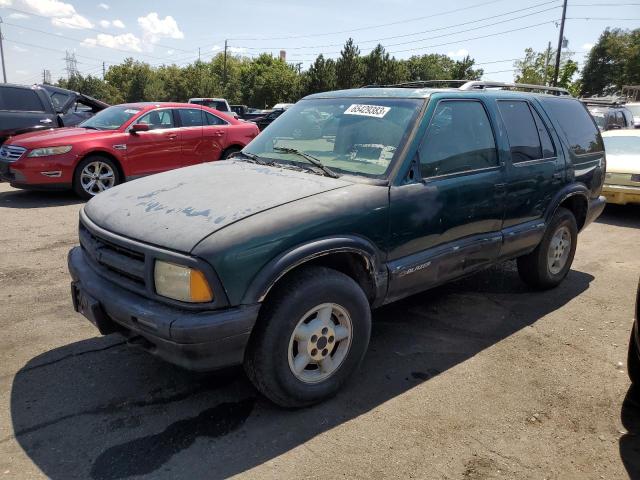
[264,80]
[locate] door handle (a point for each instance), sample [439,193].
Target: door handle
[218,133]
[46,120]
[172,137]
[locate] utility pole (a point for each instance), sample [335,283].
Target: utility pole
[546,64]
[224,70]
[560,39]
[198,54]
[104,70]
[4,69]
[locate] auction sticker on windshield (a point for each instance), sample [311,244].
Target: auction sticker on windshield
[367,110]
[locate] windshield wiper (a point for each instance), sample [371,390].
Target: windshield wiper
[310,159]
[251,157]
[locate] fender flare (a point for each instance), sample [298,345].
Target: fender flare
[572,190]
[300,254]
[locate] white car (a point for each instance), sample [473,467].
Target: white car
[622,180]
[635,111]
[282,106]
[219,104]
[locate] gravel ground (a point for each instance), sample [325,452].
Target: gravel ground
[479,379]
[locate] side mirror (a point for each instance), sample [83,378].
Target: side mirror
[139,127]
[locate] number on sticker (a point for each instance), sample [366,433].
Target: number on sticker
[367,110]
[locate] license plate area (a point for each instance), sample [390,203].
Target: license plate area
[88,306]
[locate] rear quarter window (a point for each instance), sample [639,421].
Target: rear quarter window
[576,124]
[20,99]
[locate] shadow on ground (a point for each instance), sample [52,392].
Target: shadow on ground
[621,216]
[97,409]
[37,199]
[630,442]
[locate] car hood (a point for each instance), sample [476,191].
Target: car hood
[179,208]
[56,136]
[623,164]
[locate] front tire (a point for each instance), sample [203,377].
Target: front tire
[550,262]
[93,175]
[311,335]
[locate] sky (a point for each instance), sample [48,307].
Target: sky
[38,33]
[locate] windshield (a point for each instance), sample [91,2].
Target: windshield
[599,117]
[110,118]
[619,145]
[358,136]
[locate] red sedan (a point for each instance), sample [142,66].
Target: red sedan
[121,143]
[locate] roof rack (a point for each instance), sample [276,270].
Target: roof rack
[608,101]
[476,85]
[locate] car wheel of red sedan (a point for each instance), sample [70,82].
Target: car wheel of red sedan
[228,152]
[93,175]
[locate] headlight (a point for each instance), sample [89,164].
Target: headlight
[181,283]
[47,151]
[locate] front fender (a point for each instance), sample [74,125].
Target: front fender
[287,261]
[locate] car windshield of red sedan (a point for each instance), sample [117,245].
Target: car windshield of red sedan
[360,136]
[111,118]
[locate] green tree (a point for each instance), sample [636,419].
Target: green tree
[537,68]
[321,76]
[613,61]
[349,66]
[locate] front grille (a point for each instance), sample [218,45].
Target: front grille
[11,152]
[115,260]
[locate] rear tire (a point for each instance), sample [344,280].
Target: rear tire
[93,175]
[312,334]
[228,152]
[550,262]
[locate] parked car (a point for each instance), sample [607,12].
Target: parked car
[275,258]
[73,107]
[266,120]
[31,108]
[634,108]
[283,106]
[121,143]
[622,182]
[219,104]
[247,113]
[609,114]
[633,359]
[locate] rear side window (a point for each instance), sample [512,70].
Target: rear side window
[576,123]
[528,137]
[521,130]
[213,120]
[190,117]
[21,99]
[459,139]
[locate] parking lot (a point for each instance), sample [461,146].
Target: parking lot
[479,379]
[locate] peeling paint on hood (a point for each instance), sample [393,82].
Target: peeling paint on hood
[177,209]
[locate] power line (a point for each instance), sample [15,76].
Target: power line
[378,40]
[414,19]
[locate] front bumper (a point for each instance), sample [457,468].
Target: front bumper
[621,194]
[196,340]
[596,206]
[44,172]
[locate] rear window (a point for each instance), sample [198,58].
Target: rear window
[22,99]
[577,125]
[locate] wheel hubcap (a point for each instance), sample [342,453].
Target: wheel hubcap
[320,343]
[97,177]
[559,249]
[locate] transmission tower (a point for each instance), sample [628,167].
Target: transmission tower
[72,64]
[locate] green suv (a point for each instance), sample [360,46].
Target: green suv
[350,200]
